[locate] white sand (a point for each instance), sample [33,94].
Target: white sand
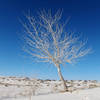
[19,89]
[91,94]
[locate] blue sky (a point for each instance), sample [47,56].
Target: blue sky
[85,18]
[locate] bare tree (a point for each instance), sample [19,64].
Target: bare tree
[47,40]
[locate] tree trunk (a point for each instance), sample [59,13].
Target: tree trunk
[61,77]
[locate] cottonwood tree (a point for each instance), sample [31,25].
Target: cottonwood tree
[47,40]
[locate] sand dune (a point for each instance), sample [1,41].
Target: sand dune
[23,88]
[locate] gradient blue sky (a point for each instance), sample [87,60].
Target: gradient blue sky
[85,18]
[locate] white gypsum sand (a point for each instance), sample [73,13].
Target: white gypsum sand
[22,88]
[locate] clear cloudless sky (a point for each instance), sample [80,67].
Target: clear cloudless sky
[85,18]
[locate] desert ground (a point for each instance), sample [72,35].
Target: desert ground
[24,88]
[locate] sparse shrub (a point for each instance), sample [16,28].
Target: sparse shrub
[6,85]
[47,80]
[92,85]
